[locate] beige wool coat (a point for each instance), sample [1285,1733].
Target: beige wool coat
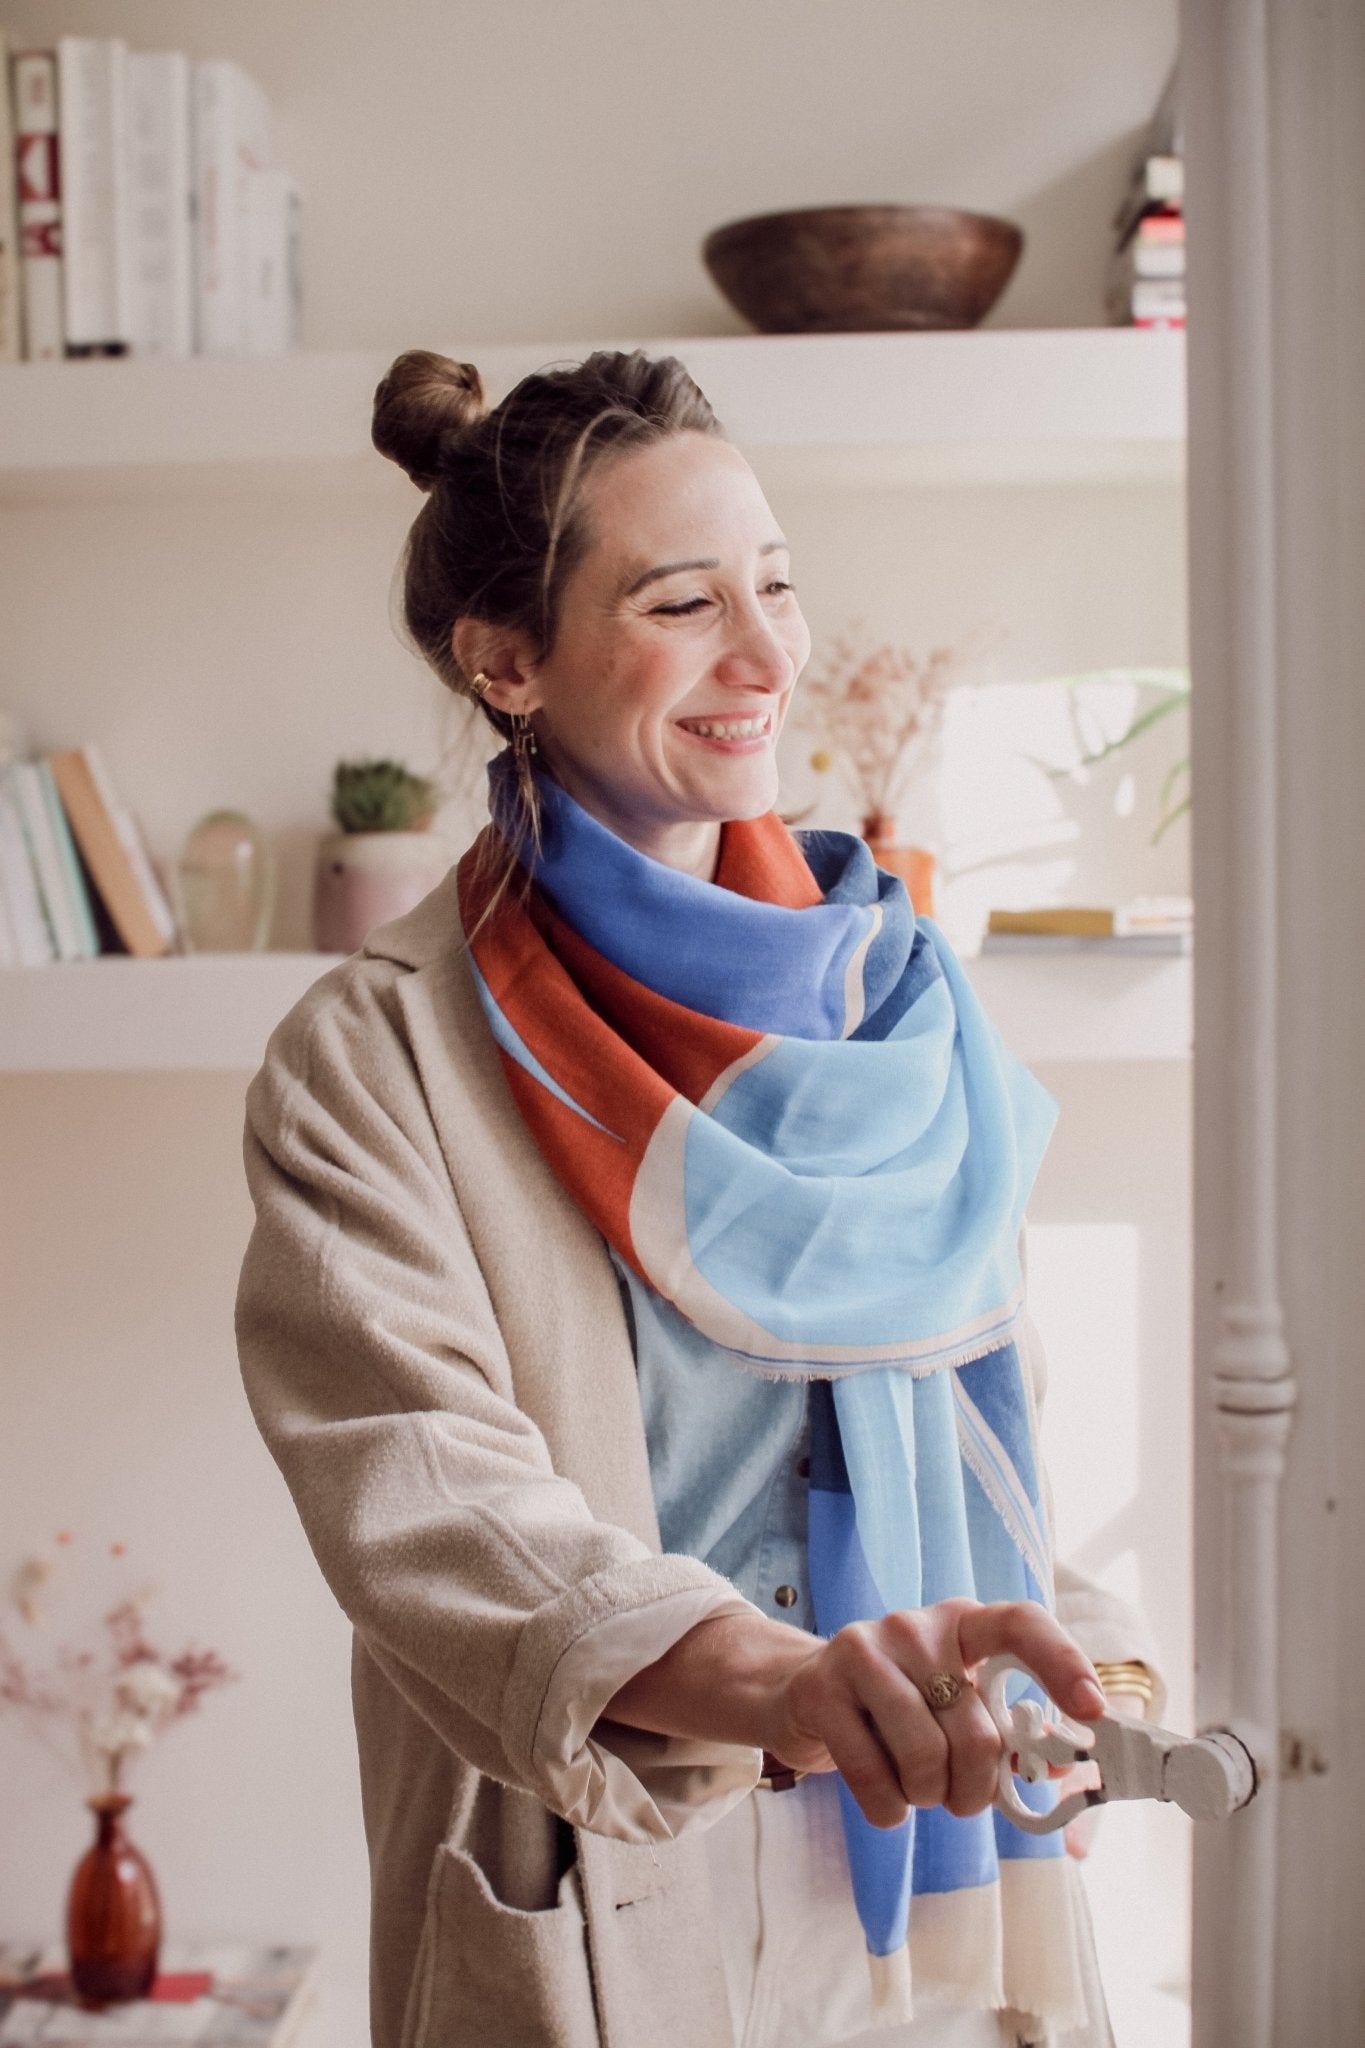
[434,1347]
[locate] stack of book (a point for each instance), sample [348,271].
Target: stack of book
[246,1997]
[76,879]
[1150,924]
[139,210]
[1147,273]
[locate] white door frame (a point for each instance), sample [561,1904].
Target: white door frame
[1274,100]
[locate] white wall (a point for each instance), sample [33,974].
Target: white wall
[516,169]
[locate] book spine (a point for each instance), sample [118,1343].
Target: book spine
[230,142]
[9,944]
[1161,227]
[1158,298]
[37,173]
[1155,259]
[134,849]
[1158,185]
[160,204]
[78,896]
[11,319]
[272,289]
[32,939]
[101,832]
[92,91]
[46,862]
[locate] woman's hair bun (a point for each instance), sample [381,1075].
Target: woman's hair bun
[423,404]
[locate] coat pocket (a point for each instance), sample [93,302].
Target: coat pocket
[494,1977]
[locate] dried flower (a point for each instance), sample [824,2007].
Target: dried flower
[98,1707]
[148,1689]
[875,712]
[118,1735]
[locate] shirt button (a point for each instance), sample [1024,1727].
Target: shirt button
[803,1468]
[785,1596]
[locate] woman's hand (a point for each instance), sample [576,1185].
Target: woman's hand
[855,1704]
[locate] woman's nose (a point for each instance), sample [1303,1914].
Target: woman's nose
[756,654]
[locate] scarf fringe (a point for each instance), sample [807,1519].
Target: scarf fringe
[917,1369]
[1008,1947]
[893,1996]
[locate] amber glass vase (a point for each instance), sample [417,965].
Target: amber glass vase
[113,1916]
[916,865]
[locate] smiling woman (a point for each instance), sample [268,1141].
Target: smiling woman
[658,704]
[636,1311]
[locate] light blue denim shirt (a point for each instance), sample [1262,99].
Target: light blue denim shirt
[728,1456]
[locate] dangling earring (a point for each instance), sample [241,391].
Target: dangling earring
[523,748]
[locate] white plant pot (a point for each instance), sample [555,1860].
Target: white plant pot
[364,879]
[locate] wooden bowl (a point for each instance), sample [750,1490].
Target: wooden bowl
[856,269]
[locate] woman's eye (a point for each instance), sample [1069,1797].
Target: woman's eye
[683,609]
[779,586]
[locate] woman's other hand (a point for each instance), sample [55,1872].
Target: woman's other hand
[855,1703]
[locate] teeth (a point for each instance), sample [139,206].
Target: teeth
[734,729]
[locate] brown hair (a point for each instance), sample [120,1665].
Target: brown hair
[503,525]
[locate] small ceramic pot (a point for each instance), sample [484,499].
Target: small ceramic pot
[364,879]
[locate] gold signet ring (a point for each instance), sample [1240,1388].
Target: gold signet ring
[941,1690]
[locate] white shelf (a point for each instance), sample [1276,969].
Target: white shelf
[1000,405]
[1060,1007]
[122,1016]
[215,1011]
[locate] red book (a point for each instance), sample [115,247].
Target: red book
[36,163]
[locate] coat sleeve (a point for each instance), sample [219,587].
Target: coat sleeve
[372,1359]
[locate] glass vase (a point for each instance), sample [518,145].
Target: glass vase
[917,866]
[226,873]
[113,1914]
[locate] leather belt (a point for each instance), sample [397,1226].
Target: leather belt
[777,1777]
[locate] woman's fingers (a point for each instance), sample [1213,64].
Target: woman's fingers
[862,1697]
[910,1735]
[1030,1634]
[925,1647]
[900,1751]
[866,1766]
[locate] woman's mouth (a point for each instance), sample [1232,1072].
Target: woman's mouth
[731,732]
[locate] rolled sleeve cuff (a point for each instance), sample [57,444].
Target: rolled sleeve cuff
[574,1659]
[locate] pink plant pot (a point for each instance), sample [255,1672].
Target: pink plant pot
[365,879]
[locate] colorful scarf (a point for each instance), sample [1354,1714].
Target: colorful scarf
[779,1100]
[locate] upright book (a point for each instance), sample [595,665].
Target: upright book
[231,142]
[30,939]
[273,296]
[11,327]
[114,854]
[38,178]
[160,203]
[59,883]
[92,76]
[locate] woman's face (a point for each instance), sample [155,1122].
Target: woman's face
[678,644]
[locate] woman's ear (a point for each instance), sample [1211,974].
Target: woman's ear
[502,654]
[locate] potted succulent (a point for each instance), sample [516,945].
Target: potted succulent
[383,860]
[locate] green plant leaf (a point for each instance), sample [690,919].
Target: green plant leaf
[380,796]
